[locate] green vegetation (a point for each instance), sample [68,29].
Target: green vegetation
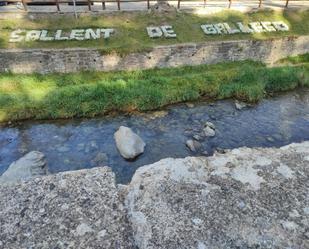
[131,28]
[87,94]
[304,58]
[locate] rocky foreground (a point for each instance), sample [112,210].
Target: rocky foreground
[245,198]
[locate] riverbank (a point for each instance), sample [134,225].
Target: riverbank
[130,29]
[88,94]
[251,198]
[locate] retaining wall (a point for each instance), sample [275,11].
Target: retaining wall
[77,59]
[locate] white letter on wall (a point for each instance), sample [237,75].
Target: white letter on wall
[243,28]
[33,35]
[44,36]
[230,30]
[256,26]
[267,26]
[281,26]
[168,31]
[154,32]
[209,29]
[107,33]
[58,36]
[77,34]
[90,34]
[16,36]
[220,28]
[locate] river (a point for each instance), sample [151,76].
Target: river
[85,143]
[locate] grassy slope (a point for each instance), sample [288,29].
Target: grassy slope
[87,94]
[131,28]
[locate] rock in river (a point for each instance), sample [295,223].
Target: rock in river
[209,130]
[30,165]
[129,144]
[193,145]
[240,105]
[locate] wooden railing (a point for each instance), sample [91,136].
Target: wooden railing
[57,3]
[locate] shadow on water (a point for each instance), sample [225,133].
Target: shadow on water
[77,144]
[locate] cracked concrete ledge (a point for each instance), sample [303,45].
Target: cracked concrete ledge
[246,198]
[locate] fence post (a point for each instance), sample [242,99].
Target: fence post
[57,4]
[230,3]
[89,5]
[260,3]
[118,4]
[103,5]
[287,3]
[204,3]
[24,4]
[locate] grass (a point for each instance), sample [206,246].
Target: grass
[131,34]
[304,58]
[87,94]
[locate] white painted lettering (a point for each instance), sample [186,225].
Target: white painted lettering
[280,26]
[107,33]
[44,36]
[77,34]
[209,29]
[33,35]
[154,32]
[230,30]
[220,28]
[168,31]
[256,26]
[16,36]
[59,37]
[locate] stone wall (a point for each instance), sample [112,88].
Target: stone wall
[76,59]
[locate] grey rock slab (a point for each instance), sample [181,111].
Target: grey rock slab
[193,145]
[246,198]
[79,209]
[31,165]
[209,132]
[129,144]
[240,105]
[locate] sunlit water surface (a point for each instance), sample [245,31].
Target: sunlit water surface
[78,144]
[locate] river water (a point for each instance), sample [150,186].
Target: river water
[77,144]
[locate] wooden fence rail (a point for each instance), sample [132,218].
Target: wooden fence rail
[57,3]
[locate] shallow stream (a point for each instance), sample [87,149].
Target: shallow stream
[76,144]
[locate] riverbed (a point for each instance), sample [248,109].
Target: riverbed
[86,143]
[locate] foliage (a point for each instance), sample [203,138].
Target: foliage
[86,94]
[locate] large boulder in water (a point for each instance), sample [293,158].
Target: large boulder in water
[129,144]
[31,165]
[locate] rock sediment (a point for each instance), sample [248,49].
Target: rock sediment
[245,198]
